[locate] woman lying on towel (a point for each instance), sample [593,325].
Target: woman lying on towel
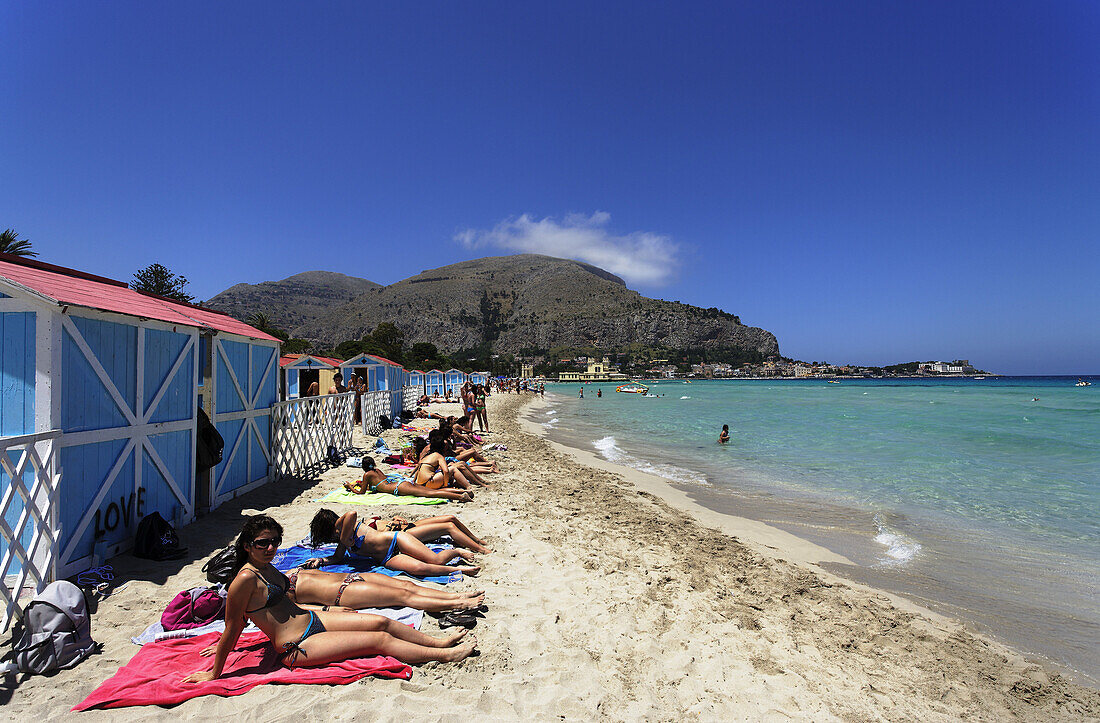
[395,550]
[309,638]
[431,528]
[424,482]
[314,589]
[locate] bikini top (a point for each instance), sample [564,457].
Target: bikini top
[275,594]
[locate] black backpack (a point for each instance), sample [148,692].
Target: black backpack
[157,540]
[208,444]
[222,567]
[384,422]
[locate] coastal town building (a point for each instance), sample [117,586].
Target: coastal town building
[597,371]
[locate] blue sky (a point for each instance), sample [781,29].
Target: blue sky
[873,182]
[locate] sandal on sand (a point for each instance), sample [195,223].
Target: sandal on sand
[459,619]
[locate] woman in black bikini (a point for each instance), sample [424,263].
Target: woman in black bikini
[395,550]
[309,638]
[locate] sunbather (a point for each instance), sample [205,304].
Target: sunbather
[315,589]
[395,550]
[431,528]
[309,638]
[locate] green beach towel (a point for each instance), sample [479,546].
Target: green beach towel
[378,498]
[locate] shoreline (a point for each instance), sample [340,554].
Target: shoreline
[1053,625]
[605,602]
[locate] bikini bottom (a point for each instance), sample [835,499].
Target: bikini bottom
[352,577]
[291,649]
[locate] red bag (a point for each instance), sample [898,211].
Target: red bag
[193,608]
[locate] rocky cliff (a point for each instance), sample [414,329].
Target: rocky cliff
[524,301]
[297,300]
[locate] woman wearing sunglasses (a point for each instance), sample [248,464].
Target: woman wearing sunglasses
[307,637]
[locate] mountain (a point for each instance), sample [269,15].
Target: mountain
[294,301]
[530,301]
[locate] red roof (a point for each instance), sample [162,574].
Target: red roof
[77,288]
[384,359]
[287,359]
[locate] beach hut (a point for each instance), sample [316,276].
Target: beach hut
[299,371]
[479,377]
[416,379]
[369,367]
[455,379]
[434,383]
[395,379]
[102,386]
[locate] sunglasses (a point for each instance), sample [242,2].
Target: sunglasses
[265,542]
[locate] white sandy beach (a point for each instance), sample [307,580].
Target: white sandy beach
[611,596]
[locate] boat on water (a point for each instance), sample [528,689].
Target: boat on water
[978,379]
[632,389]
[834,381]
[1082,383]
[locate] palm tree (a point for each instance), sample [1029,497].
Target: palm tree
[11,244]
[260,320]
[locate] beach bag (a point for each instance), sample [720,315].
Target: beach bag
[157,540]
[55,632]
[208,444]
[384,422]
[222,567]
[193,608]
[333,455]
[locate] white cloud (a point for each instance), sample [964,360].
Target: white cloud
[640,257]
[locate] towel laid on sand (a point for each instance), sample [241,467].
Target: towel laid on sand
[289,558]
[155,633]
[377,498]
[154,676]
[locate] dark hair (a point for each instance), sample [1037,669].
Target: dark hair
[438,446]
[725,427]
[322,528]
[419,444]
[253,526]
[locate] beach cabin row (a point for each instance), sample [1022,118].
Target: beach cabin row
[114,379]
[438,383]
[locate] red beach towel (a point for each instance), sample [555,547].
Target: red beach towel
[152,677]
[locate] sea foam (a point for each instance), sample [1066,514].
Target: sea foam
[899,548]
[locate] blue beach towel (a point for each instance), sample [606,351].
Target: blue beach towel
[292,557]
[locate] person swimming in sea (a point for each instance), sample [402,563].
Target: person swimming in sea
[581,395]
[599,392]
[725,435]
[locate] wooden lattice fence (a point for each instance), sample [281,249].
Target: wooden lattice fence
[409,396]
[302,430]
[375,404]
[28,516]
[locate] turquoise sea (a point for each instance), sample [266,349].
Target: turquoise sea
[980,498]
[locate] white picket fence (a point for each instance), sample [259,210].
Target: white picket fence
[374,405]
[31,543]
[409,395]
[302,430]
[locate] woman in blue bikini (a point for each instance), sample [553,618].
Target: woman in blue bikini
[309,638]
[395,550]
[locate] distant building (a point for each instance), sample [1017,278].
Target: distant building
[526,370]
[597,371]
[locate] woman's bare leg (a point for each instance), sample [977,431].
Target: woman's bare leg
[434,530]
[404,563]
[408,489]
[352,635]
[364,594]
[412,547]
